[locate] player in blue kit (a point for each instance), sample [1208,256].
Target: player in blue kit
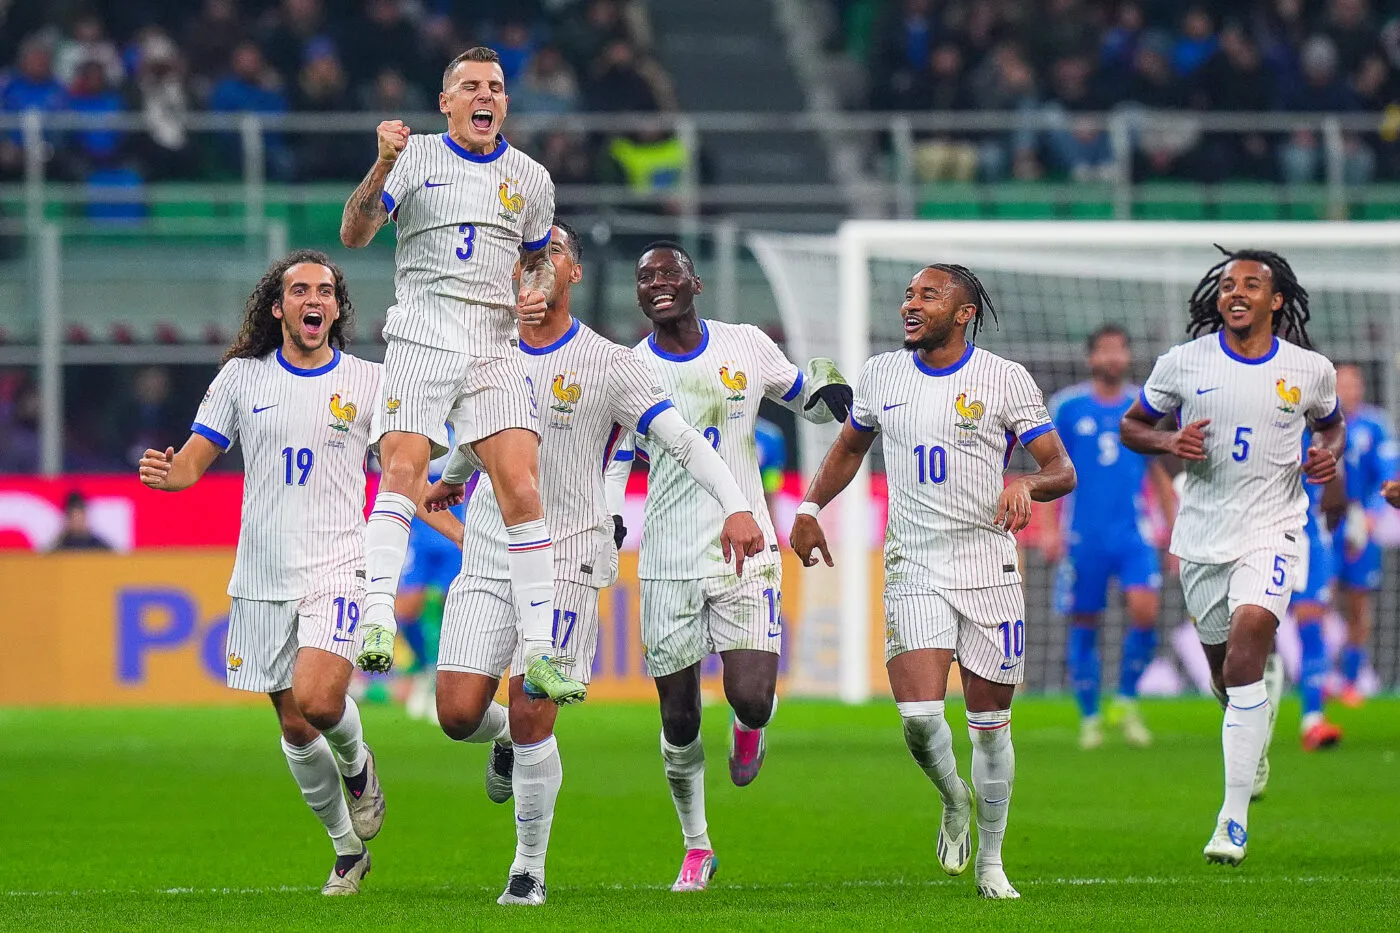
[1102,534]
[1309,608]
[1372,458]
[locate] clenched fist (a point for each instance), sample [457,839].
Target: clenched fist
[393,137]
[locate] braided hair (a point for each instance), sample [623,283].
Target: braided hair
[977,293]
[1291,320]
[261,333]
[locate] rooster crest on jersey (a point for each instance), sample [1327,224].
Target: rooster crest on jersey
[343,414]
[1290,395]
[969,413]
[234,661]
[513,203]
[566,394]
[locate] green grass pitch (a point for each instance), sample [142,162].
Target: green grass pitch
[145,820]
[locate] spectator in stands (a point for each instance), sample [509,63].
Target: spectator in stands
[208,42]
[391,93]
[286,31]
[1118,49]
[322,87]
[160,94]
[31,86]
[440,41]
[1005,81]
[146,416]
[1077,146]
[19,423]
[902,50]
[1056,29]
[1233,79]
[1353,32]
[619,85]
[588,31]
[941,156]
[88,42]
[251,86]
[516,46]
[1197,42]
[385,38]
[77,534]
[653,161]
[566,157]
[1154,84]
[90,93]
[548,87]
[1322,89]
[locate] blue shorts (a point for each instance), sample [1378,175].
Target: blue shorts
[1081,584]
[1322,573]
[1363,573]
[432,560]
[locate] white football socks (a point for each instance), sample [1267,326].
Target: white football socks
[530,557]
[494,727]
[685,772]
[347,740]
[386,544]
[1243,735]
[314,768]
[993,773]
[930,741]
[535,781]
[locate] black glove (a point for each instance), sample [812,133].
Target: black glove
[619,531]
[838,398]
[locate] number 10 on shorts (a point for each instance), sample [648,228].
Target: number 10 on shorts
[1013,642]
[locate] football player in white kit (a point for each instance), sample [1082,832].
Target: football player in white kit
[692,602]
[592,395]
[302,409]
[949,413]
[467,207]
[1238,398]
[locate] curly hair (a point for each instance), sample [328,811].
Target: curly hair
[261,333]
[976,293]
[1291,320]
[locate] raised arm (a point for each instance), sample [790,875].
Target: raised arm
[365,212]
[536,284]
[1141,431]
[169,471]
[838,468]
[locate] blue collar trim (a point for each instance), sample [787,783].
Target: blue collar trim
[492,156]
[928,370]
[682,357]
[318,371]
[550,348]
[1248,361]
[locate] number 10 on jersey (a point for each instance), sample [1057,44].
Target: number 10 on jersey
[932,464]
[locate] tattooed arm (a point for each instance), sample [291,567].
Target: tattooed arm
[365,213]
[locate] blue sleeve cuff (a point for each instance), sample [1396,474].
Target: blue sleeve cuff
[1035,432]
[623,456]
[539,244]
[203,430]
[858,426]
[388,200]
[1147,406]
[796,389]
[1331,419]
[644,422]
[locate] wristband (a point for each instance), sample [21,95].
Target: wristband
[809,508]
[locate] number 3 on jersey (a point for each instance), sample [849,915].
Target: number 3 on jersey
[468,231]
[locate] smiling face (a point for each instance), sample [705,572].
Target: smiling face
[474,99]
[935,306]
[666,285]
[1248,298]
[308,306]
[1110,358]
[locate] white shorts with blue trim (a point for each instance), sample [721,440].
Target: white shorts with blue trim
[985,627]
[480,634]
[264,635]
[685,621]
[1263,577]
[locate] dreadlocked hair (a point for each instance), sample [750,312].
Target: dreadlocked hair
[977,293]
[261,333]
[1290,321]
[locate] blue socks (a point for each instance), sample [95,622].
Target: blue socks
[1352,660]
[1084,668]
[1314,666]
[1139,644]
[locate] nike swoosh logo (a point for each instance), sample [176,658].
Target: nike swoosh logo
[895,405]
[256,409]
[1204,391]
[997,801]
[774,634]
[339,639]
[440,184]
[540,603]
[520,819]
[377,579]
[1233,725]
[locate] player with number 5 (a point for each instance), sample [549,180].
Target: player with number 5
[949,413]
[302,410]
[1232,406]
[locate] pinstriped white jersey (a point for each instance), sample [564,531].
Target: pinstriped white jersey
[716,388]
[304,434]
[1248,490]
[461,220]
[948,435]
[591,393]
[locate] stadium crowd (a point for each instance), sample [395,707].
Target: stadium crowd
[165,60]
[1051,60]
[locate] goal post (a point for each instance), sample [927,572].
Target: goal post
[1053,283]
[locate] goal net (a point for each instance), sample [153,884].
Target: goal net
[1052,284]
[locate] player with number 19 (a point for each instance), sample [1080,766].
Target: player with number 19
[1234,403]
[949,413]
[302,409]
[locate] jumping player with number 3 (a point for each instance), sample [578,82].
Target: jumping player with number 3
[1238,399]
[302,409]
[949,413]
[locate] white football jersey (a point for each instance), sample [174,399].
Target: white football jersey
[590,394]
[461,221]
[948,435]
[1248,490]
[304,434]
[716,388]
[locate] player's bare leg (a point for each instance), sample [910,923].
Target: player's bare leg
[1359,610]
[751,687]
[404,458]
[1139,643]
[684,757]
[321,683]
[511,459]
[919,682]
[993,774]
[468,712]
[314,768]
[1246,727]
[537,777]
